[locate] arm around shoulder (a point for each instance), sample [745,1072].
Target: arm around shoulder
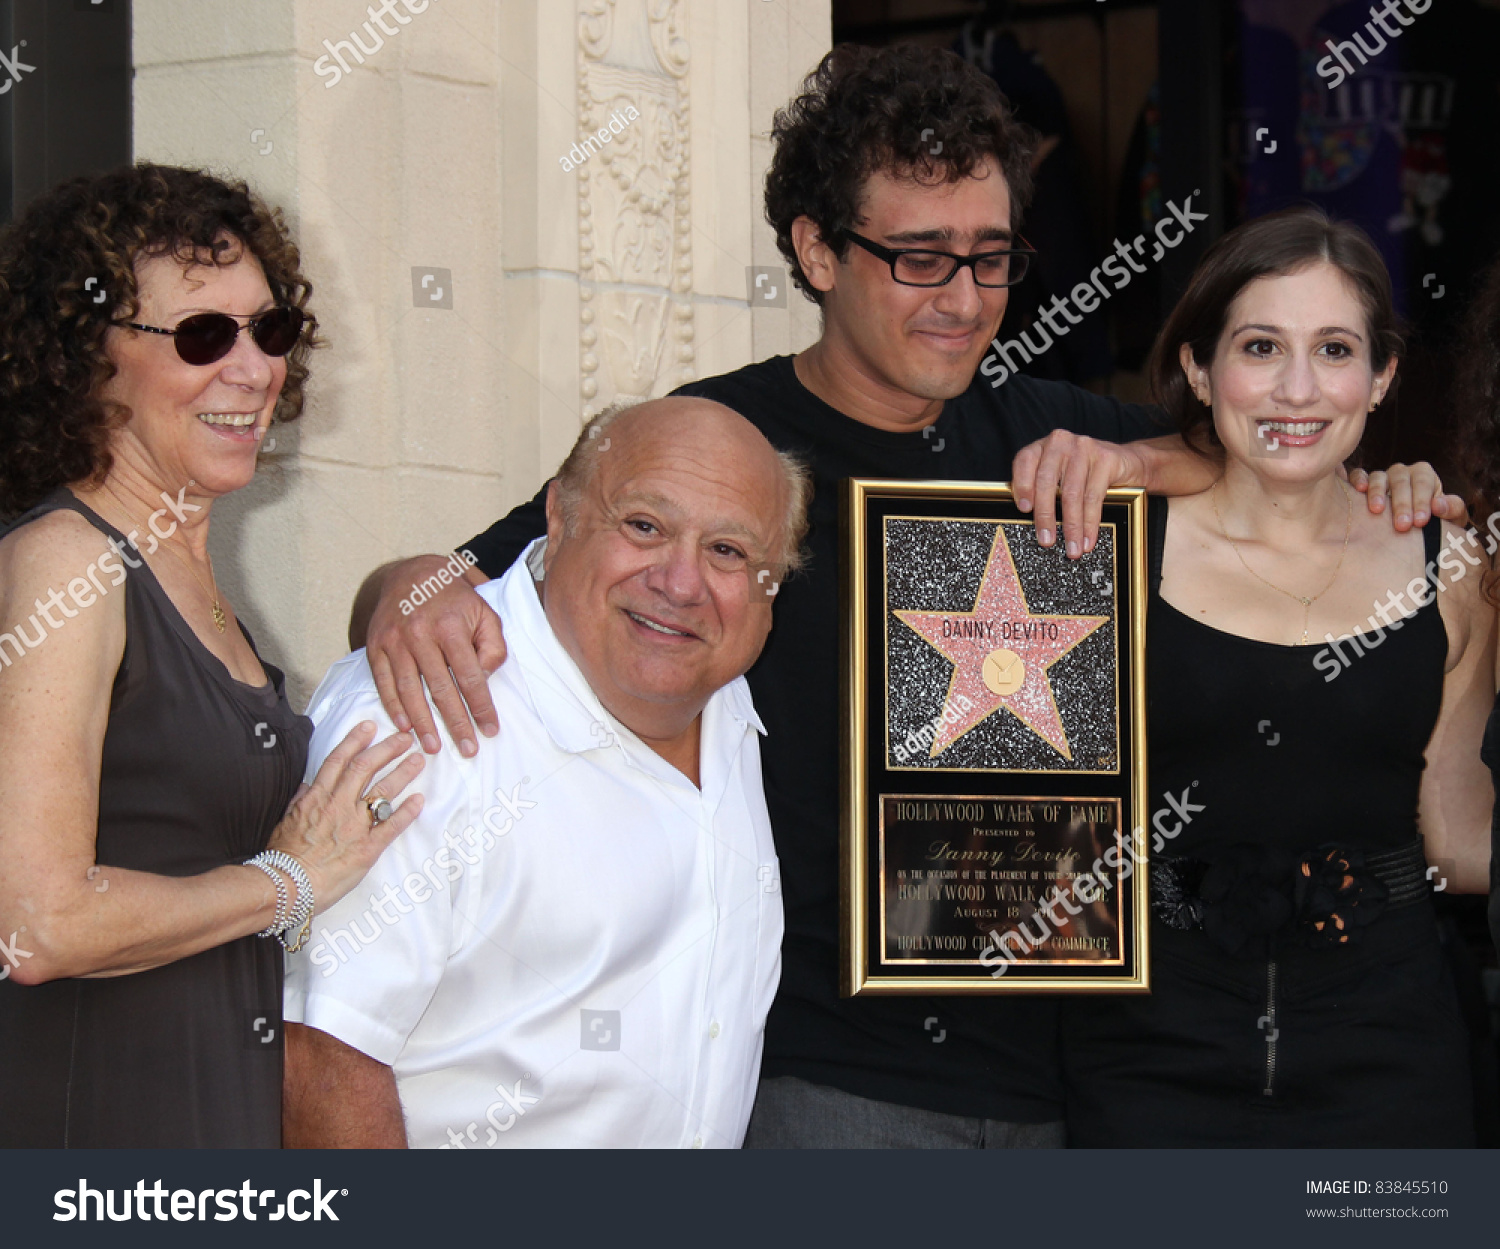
[430,634]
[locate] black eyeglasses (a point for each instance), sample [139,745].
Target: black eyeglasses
[207,337]
[919,267]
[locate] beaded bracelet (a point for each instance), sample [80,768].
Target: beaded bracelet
[283,912]
[300,918]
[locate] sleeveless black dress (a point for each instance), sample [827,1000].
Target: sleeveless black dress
[1299,995]
[197,770]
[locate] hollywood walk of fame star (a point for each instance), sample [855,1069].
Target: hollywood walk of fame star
[1001,653]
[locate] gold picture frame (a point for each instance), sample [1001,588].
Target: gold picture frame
[994,739]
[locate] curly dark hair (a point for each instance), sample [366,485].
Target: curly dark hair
[1275,245]
[85,237]
[868,110]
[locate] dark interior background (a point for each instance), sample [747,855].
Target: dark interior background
[1164,97]
[71,114]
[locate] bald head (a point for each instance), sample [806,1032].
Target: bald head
[694,431]
[669,529]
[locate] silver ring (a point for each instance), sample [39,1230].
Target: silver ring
[380,810]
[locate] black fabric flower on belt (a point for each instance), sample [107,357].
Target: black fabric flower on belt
[1245,895]
[1174,892]
[1335,895]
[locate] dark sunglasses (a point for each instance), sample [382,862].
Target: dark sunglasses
[207,337]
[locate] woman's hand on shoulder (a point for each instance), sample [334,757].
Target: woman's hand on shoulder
[328,826]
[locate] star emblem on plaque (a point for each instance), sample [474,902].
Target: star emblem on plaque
[995,763]
[1001,650]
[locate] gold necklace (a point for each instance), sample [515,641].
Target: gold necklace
[220,620]
[1305,600]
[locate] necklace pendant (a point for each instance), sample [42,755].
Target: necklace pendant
[1306,602]
[219,617]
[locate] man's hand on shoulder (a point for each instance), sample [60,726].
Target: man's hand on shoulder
[1414,492]
[1079,469]
[452,640]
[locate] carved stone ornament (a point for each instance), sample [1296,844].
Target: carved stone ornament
[635,242]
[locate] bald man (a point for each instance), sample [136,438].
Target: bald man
[578,940]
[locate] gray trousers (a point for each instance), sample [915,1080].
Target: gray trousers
[793,1114]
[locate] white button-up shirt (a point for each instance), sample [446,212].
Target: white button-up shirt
[572,945]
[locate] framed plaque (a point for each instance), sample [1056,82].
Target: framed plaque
[994,753]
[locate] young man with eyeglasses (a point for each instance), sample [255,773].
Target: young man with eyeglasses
[909,248]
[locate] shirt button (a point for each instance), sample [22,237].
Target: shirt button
[713,1030]
[697,1142]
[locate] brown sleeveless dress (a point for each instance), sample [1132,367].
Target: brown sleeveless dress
[197,770]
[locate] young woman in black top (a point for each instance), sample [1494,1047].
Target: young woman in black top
[1318,685]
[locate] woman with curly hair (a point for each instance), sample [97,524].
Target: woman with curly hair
[1318,684]
[154,845]
[1479,451]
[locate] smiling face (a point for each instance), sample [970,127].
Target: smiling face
[655,588]
[200,423]
[1291,382]
[921,341]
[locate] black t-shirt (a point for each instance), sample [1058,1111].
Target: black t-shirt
[992,1058]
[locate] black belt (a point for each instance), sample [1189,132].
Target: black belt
[1324,897]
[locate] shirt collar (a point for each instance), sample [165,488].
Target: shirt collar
[567,706]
